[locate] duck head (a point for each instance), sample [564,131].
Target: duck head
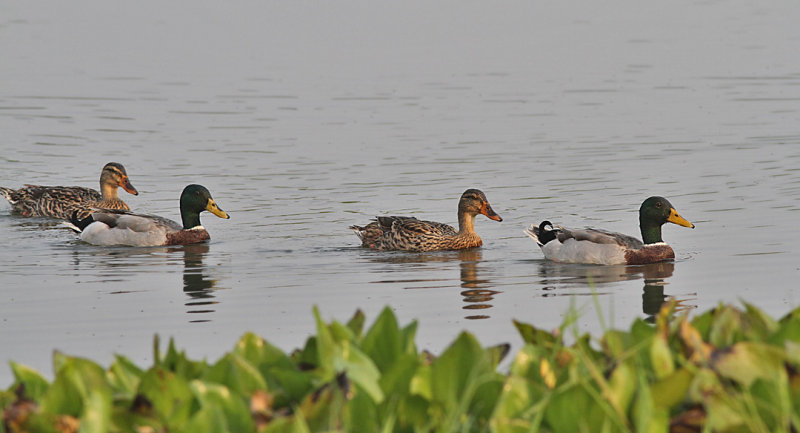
[474,202]
[196,199]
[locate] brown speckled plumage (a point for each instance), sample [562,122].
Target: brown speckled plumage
[411,234]
[63,201]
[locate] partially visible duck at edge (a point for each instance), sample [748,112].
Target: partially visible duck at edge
[116,227]
[596,246]
[63,201]
[411,234]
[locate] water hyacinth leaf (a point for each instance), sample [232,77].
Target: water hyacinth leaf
[233,371]
[747,361]
[726,328]
[361,415]
[209,419]
[671,390]
[323,409]
[533,335]
[356,323]
[362,371]
[383,341]
[261,353]
[621,387]
[35,384]
[124,375]
[325,349]
[96,416]
[233,407]
[397,380]
[725,408]
[180,364]
[519,407]
[342,333]
[760,322]
[569,410]
[408,335]
[169,394]
[456,374]
[74,380]
[292,424]
[661,360]
[422,382]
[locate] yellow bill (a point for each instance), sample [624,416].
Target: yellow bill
[675,218]
[212,207]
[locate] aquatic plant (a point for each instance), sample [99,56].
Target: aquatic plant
[729,369]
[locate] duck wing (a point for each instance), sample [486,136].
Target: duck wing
[121,219]
[598,236]
[416,227]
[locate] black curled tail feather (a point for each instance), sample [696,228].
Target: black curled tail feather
[545,235]
[80,223]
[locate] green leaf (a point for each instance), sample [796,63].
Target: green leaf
[35,384]
[233,371]
[383,341]
[233,407]
[532,335]
[356,323]
[672,390]
[456,374]
[622,386]
[75,379]
[96,416]
[661,359]
[170,395]
[748,360]
[209,419]
[124,375]
[362,371]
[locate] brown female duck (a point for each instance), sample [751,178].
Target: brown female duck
[411,234]
[63,201]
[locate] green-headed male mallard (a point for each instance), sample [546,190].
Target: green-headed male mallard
[114,227]
[63,201]
[411,234]
[602,247]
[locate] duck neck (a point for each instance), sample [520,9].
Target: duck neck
[651,233]
[466,223]
[108,191]
[190,219]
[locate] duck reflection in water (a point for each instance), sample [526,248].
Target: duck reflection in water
[196,282]
[557,276]
[477,292]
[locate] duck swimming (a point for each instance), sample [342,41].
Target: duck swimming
[116,227]
[596,246]
[63,201]
[411,234]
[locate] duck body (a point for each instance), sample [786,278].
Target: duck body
[62,201]
[115,227]
[411,234]
[597,246]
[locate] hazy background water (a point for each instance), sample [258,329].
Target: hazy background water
[305,117]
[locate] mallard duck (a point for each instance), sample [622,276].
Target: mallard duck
[602,247]
[63,201]
[117,227]
[411,234]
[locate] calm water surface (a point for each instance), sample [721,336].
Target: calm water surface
[304,118]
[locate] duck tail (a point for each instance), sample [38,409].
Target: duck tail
[81,224]
[358,230]
[541,234]
[8,194]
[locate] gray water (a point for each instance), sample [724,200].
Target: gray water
[303,118]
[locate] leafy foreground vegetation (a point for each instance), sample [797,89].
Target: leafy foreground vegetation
[729,369]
